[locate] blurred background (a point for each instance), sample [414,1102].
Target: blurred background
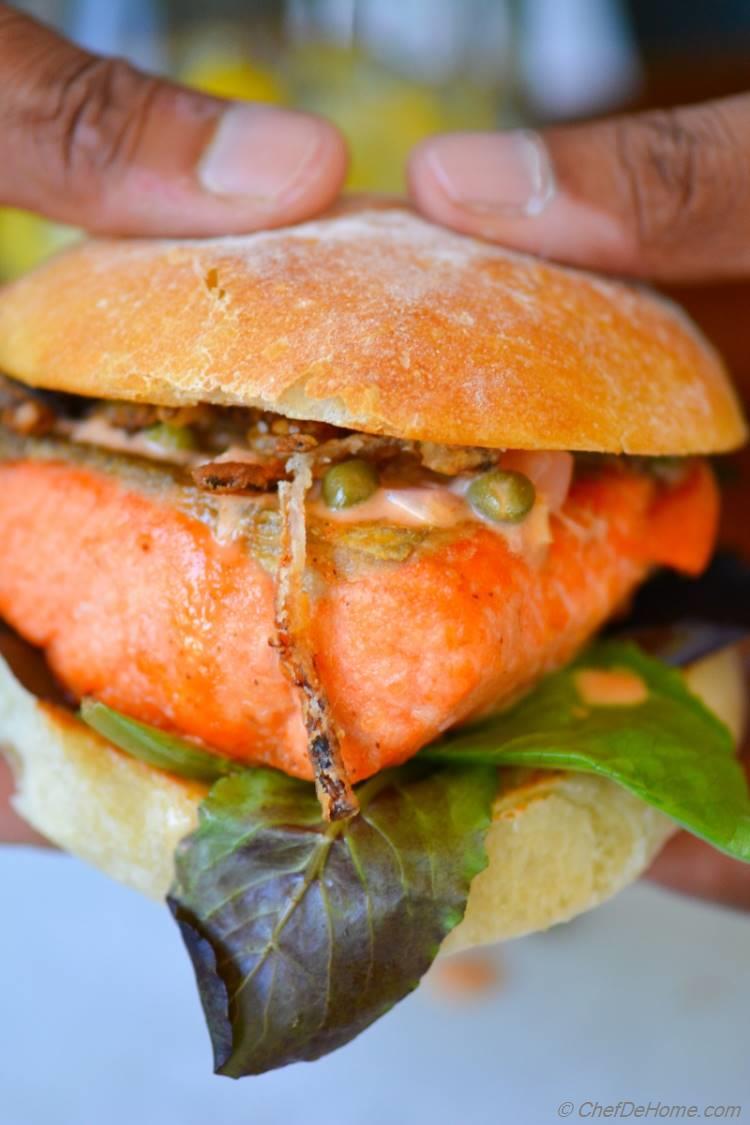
[647,999]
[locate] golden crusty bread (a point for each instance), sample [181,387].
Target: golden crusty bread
[559,843]
[373,318]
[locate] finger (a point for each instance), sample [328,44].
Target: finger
[95,143]
[13,830]
[693,868]
[664,195]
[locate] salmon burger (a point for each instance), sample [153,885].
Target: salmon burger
[346,504]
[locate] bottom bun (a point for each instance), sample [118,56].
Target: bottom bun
[559,844]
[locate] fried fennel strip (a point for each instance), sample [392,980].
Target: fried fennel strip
[332,784]
[24,411]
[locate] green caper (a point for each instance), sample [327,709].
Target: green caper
[349,483]
[502,495]
[169,436]
[669,470]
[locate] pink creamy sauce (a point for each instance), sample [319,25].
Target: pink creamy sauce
[610,687]
[98,431]
[445,505]
[433,504]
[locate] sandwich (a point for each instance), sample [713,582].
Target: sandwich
[307,538]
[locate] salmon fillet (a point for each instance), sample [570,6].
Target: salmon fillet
[139,605]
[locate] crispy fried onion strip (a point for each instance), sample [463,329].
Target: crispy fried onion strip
[332,784]
[24,411]
[266,461]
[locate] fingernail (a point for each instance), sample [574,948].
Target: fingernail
[508,174]
[260,152]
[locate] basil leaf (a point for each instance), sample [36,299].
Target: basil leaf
[164,751]
[302,932]
[669,750]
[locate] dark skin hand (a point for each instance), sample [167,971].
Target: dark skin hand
[13,830]
[96,143]
[664,196]
[690,867]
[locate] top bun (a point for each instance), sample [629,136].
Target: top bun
[374,319]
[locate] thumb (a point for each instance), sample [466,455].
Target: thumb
[93,142]
[693,868]
[13,830]
[664,195]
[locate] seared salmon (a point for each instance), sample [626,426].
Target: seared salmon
[139,605]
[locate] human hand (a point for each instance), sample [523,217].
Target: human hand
[693,868]
[95,143]
[662,195]
[13,830]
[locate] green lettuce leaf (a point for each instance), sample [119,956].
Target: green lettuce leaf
[670,750]
[303,932]
[155,747]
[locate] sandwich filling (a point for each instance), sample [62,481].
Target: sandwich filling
[319,600]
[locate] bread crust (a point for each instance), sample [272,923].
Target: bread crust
[558,845]
[374,319]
